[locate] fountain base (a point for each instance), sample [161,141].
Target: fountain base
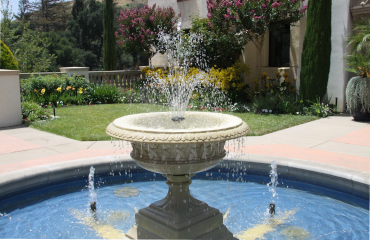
[179,216]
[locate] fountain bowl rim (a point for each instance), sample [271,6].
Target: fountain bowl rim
[124,129]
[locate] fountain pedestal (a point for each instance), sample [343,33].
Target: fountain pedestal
[162,146]
[179,216]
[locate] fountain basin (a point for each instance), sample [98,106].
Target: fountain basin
[178,148]
[235,197]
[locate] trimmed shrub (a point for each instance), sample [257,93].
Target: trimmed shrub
[7,60]
[316,51]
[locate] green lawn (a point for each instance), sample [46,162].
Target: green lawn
[88,123]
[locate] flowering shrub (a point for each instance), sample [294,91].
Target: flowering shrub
[33,112]
[54,88]
[228,80]
[221,48]
[279,85]
[139,28]
[320,109]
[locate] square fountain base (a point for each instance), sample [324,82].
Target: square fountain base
[152,225]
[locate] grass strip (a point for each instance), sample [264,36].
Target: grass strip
[88,123]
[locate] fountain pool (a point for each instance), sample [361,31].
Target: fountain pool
[62,210]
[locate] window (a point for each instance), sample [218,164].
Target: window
[279,47]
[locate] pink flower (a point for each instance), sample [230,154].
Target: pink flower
[275,5]
[209,15]
[303,9]
[264,6]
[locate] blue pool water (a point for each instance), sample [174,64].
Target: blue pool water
[63,210]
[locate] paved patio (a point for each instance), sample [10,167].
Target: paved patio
[336,140]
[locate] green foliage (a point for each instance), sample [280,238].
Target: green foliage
[7,32]
[320,109]
[316,51]
[358,94]
[275,104]
[7,60]
[359,40]
[77,7]
[104,93]
[88,31]
[32,112]
[222,49]
[358,64]
[46,90]
[109,39]
[31,51]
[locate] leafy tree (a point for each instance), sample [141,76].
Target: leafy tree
[7,60]
[316,51]
[50,15]
[109,39]
[88,31]
[139,28]
[253,19]
[7,33]
[24,7]
[78,6]
[31,51]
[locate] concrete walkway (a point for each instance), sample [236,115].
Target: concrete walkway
[336,140]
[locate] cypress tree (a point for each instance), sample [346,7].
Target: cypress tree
[316,51]
[109,39]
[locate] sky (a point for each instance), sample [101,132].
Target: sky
[14,4]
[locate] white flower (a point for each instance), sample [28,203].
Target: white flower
[270,111]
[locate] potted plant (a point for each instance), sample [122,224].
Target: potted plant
[358,87]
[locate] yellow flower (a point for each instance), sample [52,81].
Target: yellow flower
[79,90]
[267,85]
[255,81]
[59,89]
[301,101]
[287,80]
[69,87]
[42,91]
[295,79]
[318,111]
[281,70]
[73,88]
[285,74]
[264,74]
[268,78]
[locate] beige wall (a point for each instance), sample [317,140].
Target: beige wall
[10,98]
[249,56]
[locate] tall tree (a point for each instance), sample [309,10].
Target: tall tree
[24,6]
[50,15]
[109,39]
[88,31]
[316,51]
[78,6]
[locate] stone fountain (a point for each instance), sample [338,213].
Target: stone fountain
[178,150]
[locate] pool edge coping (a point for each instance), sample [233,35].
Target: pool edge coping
[29,177]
